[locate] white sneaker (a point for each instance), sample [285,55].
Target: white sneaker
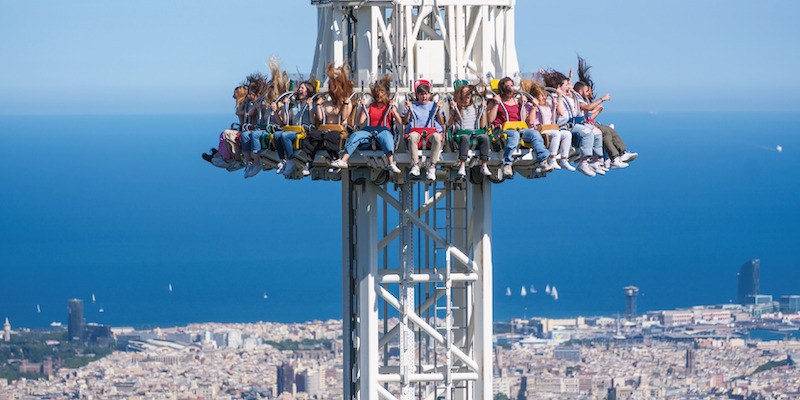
[607,163]
[306,171]
[617,163]
[508,170]
[414,170]
[338,163]
[585,169]
[431,173]
[281,166]
[393,168]
[462,172]
[545,165]
[485,171]
[597,167]
[628,157]
[554,163]
[565,164]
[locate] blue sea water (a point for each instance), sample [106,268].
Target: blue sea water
[123,206]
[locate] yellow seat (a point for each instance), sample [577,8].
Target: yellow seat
[301,134]
[336,128]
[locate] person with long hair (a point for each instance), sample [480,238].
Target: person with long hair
[240,95]
[334,111]
[613,144]
[466,117]
[229,155]
[543,113]
[382,113]
[299,113]
[255,115]
[424,113]
[514,110]
[584,138]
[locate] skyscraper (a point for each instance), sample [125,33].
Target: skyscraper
[285,378]
[690,361]
[631,292]
[75,319]
[748,280]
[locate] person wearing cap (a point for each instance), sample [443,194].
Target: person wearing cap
[424,113]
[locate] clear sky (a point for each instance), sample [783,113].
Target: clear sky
[99,56]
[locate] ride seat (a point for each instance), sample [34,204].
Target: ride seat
[336,128]
[426,133]
[301,134]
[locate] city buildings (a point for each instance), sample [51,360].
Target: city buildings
[75,319]
[631,292]
[748,280]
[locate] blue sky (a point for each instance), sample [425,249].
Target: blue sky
[93,56]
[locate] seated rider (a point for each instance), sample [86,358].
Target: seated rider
[298,114]
[256,114]
[467,118]
[509,109]
[382,114]
[335,111]
[424,113]
[542,116]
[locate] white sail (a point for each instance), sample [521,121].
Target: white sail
[547,289]
[508,291]
[532,290]
[265,295]
[93,300]
[38,309]
[170,288]
[523,292]
[554,293]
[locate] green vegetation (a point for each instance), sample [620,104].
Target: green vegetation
[32,347]
[501,396]
[770,365]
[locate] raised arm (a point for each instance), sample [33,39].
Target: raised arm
[591,106]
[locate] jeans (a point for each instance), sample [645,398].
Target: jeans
[251,141]
[483,147]
[283,143]
[530,135]
[583,138]
[612,142]
[436,146]
[597,142]
[384,138]
[560,141]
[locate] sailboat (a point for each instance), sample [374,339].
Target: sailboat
[93,299]
[265,295]
[523,292]
[531,290]
[38,309]
[508,291]
[170,287]
[547,289]
[554,293]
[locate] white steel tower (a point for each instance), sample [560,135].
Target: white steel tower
[437,40]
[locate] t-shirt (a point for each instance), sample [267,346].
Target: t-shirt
[469,118]
[423,116]
[376,114]
[513,113]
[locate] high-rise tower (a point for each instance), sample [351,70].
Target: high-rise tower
[631,292]
[748,280]
[75,319]
[7,331]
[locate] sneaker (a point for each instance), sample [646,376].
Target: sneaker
[306,169]
[628,157]
[414,170]
[617,163]
[281,166]
[585,169]
[545,165]
[485,171]
[393,168]
[565,164]
[338,164]
[207,157]
[597,168]
[607,163]
[508,170]
[431,173]
[554,163]
[462,172]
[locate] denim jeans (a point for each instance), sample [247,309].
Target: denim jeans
[560,142]
[583,138]
[283,143]
[384,138]
[530,135]
[251,141]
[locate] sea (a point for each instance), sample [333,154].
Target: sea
[125,209]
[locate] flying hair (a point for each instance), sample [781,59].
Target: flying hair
[478,89]
[279,84]
[583,72]
[256,83]
[553,78]
[339,86]
[240,94]
[380,89]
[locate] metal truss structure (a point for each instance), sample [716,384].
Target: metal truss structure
[417,276]
[438,40]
